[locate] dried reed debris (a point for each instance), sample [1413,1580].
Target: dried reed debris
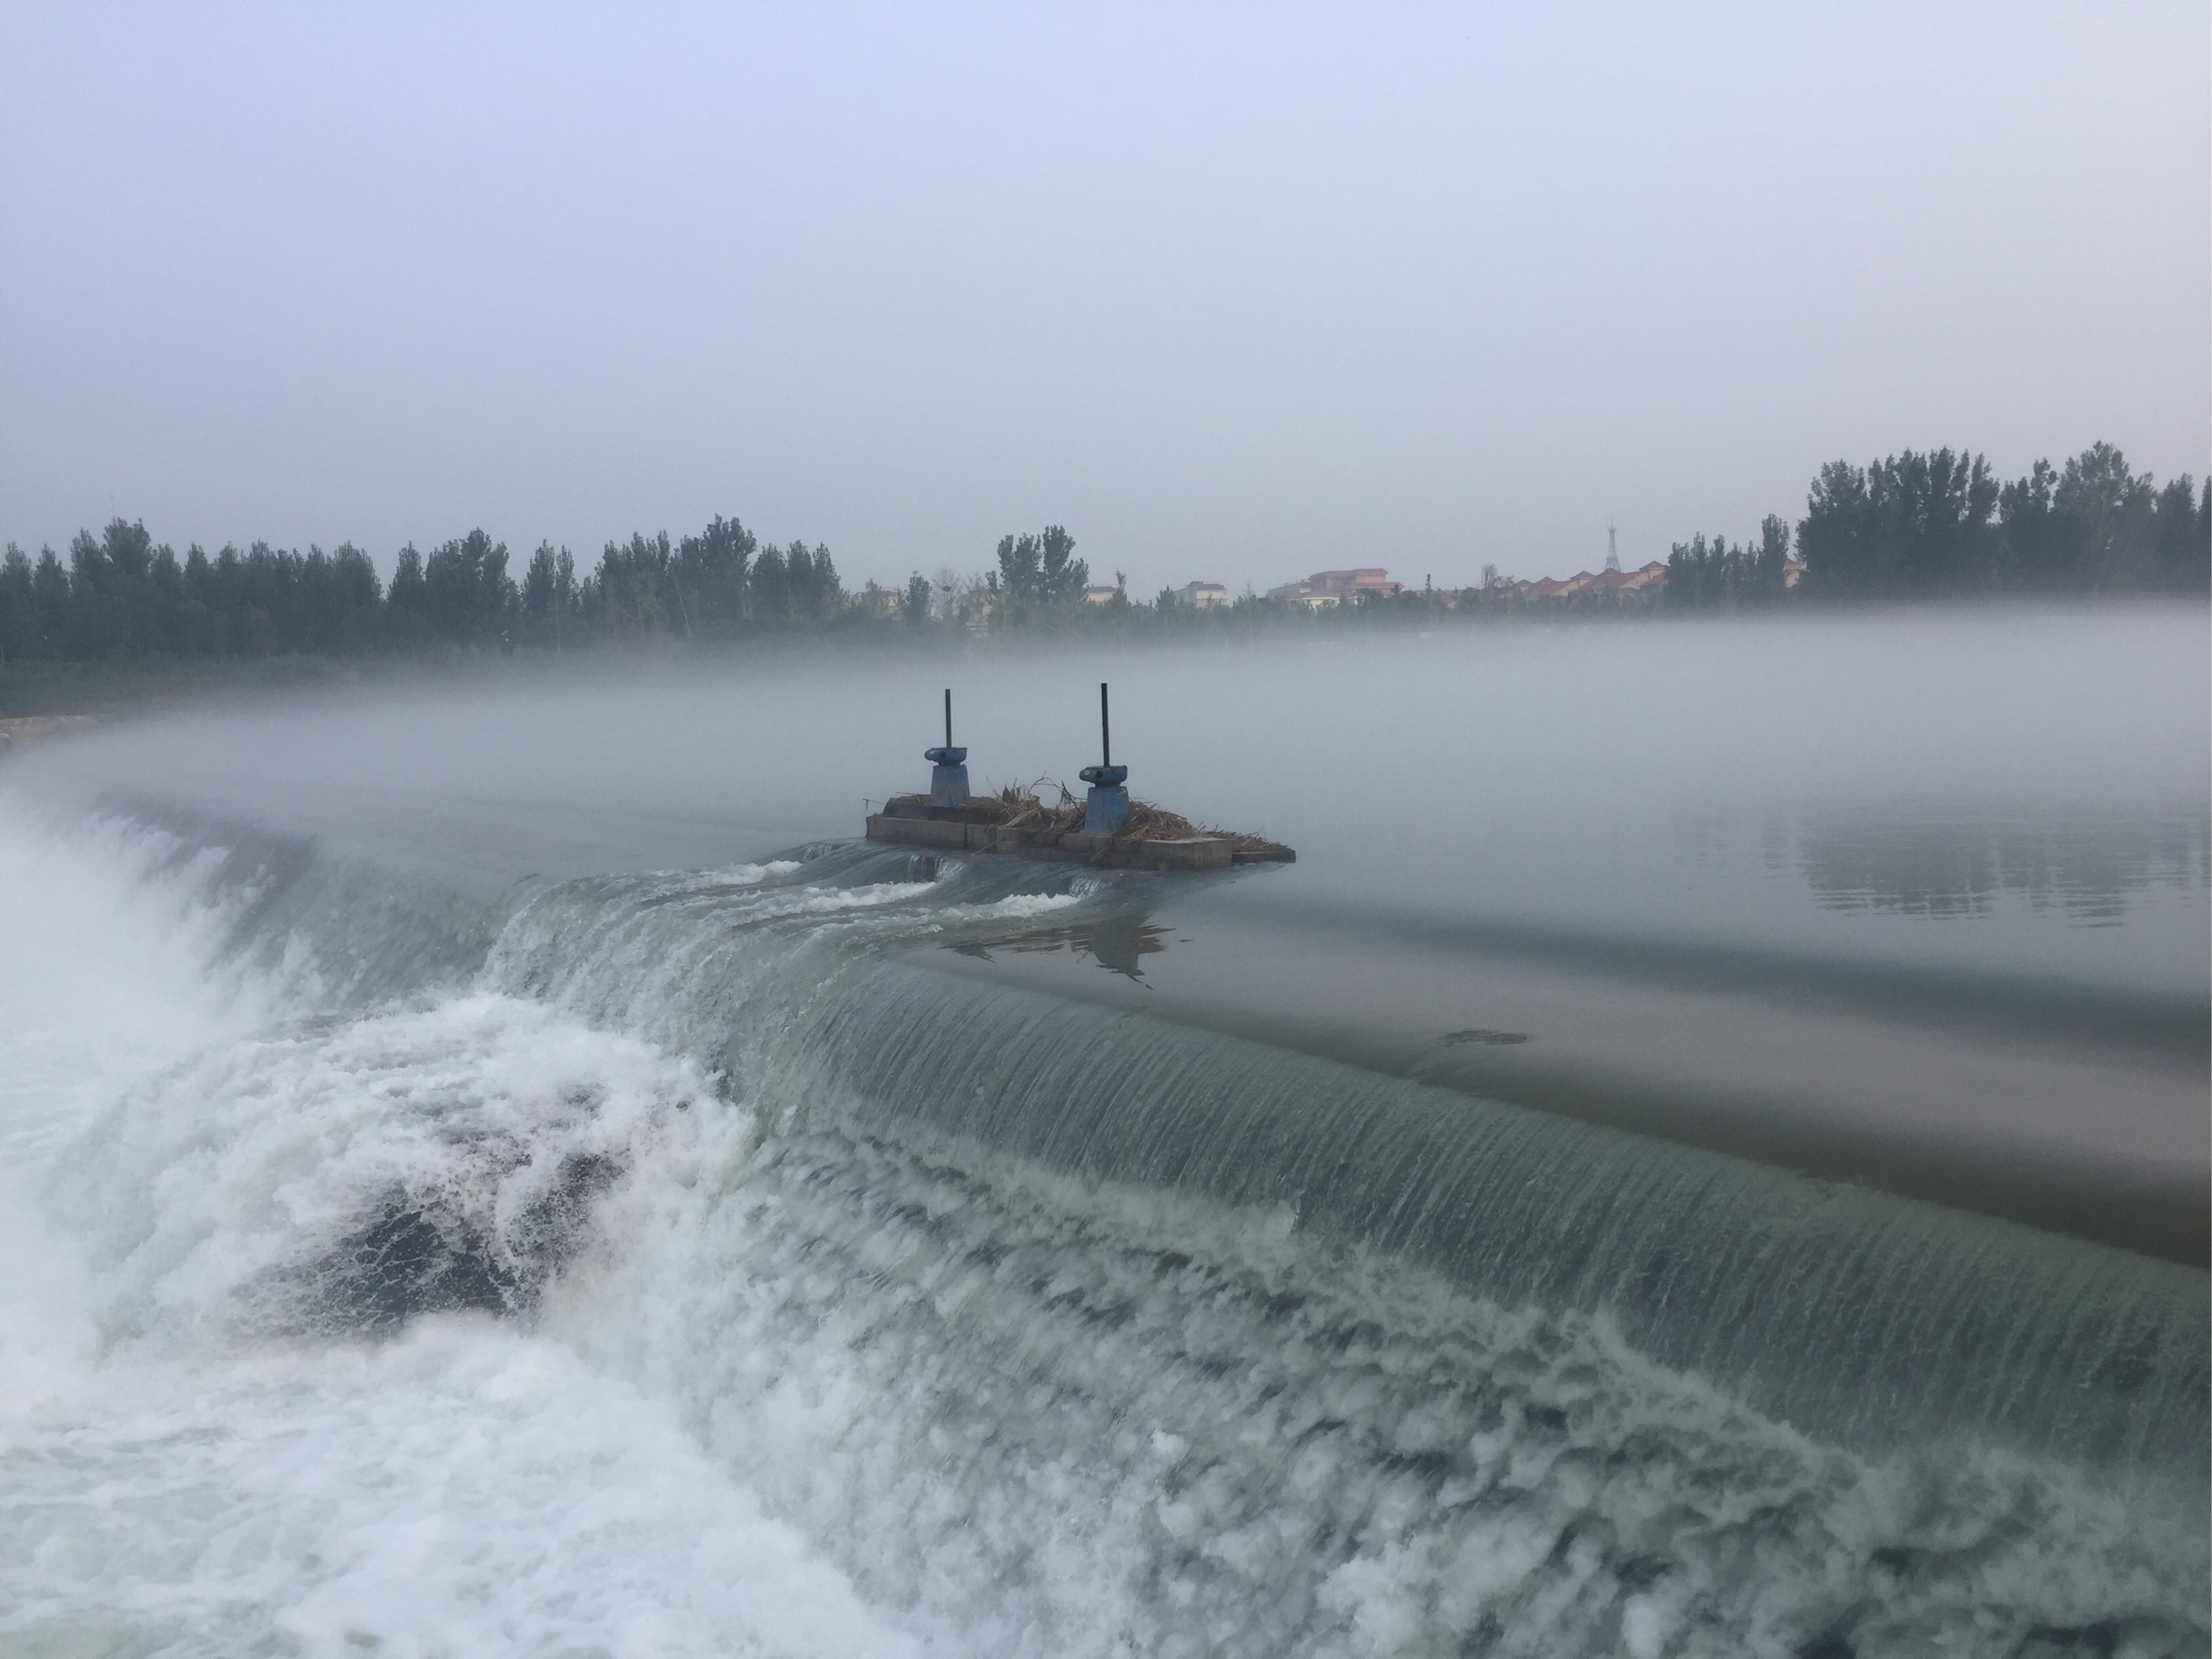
[1020,807]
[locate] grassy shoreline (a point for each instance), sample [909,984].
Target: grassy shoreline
[113,688]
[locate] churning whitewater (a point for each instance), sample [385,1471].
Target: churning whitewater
[676,1264]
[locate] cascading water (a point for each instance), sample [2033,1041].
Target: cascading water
[676,1263]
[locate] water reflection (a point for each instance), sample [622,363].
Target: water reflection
[1118,944]
[1944,870]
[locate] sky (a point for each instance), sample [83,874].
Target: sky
[1234,292]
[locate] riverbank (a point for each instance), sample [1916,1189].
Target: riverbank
[114,686]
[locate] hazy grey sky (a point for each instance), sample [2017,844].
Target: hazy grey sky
[1236,292]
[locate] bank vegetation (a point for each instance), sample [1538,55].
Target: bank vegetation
[125,619]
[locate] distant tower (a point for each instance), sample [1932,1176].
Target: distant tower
[1612,548]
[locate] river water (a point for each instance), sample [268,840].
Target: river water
[1704,1154]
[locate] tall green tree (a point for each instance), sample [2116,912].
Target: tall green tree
[22,625]
[810,581]
[1703,575]
[1915,525]
[633,592]
[1062,576]
[710,571]
[2184,537]
[550,603]
[468,598]
[407,605]
[1040,570]
[770,585]
[2115,517]
[2041,548]
[1020,560]
[1766,575]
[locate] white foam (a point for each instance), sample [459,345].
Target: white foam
[468,1490]
[175,1480]
[759,872]
[103,969]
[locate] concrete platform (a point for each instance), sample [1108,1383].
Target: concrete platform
[945,831]
[914,822]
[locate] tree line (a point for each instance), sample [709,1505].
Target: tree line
[1915,525]
[1940,525]
[120,594]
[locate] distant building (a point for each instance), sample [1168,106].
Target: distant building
[1793,572]
[1328,587]
[1096,594]
[1202,595]
[1618,580]
[1647,580]
[1351,584]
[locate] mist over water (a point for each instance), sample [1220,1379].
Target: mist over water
[494,1167]
[1822,784]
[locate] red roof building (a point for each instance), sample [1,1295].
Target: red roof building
[1326,587]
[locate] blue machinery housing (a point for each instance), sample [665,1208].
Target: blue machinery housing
[1108,808]
[948,819]
[948,777]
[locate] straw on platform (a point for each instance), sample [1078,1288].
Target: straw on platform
[1017,807]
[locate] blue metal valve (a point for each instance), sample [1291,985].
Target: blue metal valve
[948,777]
[1106,809]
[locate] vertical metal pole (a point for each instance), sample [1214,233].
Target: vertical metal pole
[1105,731]
[948,717]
